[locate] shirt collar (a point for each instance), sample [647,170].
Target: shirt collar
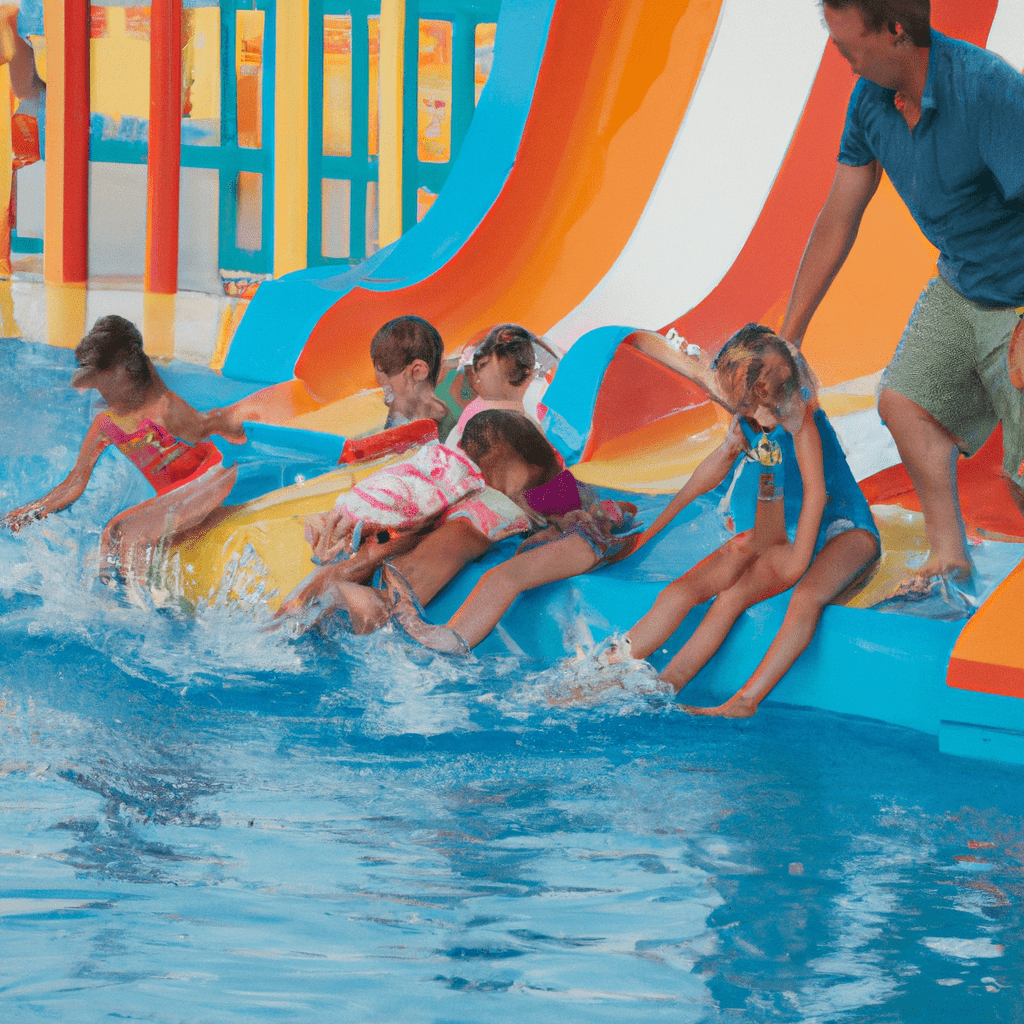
[928,100]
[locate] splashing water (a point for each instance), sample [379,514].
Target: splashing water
[204,818]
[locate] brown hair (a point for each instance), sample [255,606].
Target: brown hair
[742,358]
[404,340]
[913,15]
[114,341]
[521,434]
[512,344]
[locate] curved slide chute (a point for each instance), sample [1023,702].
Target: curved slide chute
[283,312]
[723,162]
[610,95]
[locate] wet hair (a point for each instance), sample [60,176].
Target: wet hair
[521,434]
[404,340]
[913,15]
[114,341]
[513,345]
[742,359]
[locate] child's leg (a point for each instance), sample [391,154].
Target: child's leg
[366,607]
[497,589]
[839,565]
[758,582]
[136,530]
[440,556]
[500,586]
[720,570]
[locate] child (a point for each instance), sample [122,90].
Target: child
[407,354]
[160,433]
[580,533]
[804,477]
[499,371]
[448,505]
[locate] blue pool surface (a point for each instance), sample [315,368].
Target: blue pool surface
[205,820]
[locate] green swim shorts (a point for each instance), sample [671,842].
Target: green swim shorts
[951,361]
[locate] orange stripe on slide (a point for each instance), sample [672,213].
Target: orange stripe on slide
[857,326]
[611,93]
[993,637]
[985,678]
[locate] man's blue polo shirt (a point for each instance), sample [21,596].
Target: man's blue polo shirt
[961,170]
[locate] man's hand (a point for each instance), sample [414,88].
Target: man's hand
[1015,356]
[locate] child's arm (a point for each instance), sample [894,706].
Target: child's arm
[225,421]
[706,477]
[69,489]
[807,442]
[193,426]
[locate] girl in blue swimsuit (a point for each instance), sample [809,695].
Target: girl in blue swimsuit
[804,521]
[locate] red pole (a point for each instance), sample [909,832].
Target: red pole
[76,141]
[164,147]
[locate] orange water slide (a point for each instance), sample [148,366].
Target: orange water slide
[611,93]
[857,326]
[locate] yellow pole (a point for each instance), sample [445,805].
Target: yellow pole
[291,137]
[392,81]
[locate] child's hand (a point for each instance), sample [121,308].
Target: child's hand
[735,440]
[330,534]
[227,422]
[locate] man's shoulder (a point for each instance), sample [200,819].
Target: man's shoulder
[973,70]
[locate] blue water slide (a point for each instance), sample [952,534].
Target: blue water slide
[283,313]
[571,397]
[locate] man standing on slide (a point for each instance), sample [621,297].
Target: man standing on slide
[945,120]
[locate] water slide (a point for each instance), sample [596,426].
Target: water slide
[551,181]
[710,181]
[720,241]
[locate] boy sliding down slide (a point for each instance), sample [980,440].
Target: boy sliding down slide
[407,353]
[431,514]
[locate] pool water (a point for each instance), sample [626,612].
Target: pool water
[205,820]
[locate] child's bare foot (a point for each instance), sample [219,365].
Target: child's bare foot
[406,614]
[619,652]
[735,707]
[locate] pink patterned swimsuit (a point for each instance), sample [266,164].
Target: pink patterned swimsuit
[162,459]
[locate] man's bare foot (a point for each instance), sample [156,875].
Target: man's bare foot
[735,707]
[406,614]
[921,581]
[959,570]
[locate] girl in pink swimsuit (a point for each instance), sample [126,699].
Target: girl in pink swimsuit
[158,432]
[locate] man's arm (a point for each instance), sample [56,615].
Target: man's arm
[831,239]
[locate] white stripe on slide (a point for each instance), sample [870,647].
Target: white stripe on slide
[726,155]
[1006,37]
